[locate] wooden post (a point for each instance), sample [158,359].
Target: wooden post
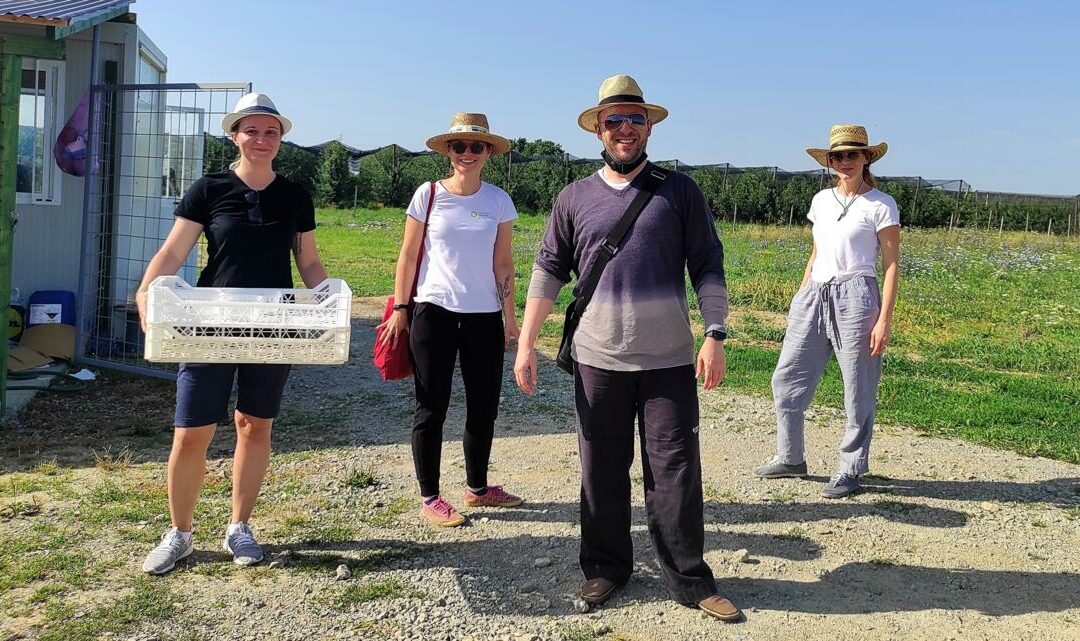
[1001,226]
[10,87]
[1049,226]
[1027,222]
[735,215]
[791,215]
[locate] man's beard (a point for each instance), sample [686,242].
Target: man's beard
[624,157]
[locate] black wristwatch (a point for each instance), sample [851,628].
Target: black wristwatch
[718,334]
[398,306]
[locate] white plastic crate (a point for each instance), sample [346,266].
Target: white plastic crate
[186,324]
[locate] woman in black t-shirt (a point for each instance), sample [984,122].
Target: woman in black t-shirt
[253,219]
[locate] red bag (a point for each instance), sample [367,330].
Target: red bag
[393,362]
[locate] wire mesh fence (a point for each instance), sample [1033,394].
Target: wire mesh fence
[149,144]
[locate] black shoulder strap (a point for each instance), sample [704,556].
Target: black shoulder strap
[654,177]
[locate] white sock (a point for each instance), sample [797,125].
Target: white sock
[184,535]
[232,528]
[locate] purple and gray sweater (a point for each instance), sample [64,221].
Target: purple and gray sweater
[639,317]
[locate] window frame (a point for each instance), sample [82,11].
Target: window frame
[49,191]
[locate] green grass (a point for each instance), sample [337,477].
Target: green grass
[38,553]
[986,335]
[367,591]
[148,600]
[387,515]
[360,478]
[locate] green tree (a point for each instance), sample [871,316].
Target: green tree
[297,164]
[333,186]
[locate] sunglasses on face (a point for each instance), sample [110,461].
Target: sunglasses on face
[254,214]
[459,146]
[844,155]
[613,122]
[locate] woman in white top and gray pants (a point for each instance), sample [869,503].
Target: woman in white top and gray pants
[464,306]
[838,309]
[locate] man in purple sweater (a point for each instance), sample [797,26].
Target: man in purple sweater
[634,351]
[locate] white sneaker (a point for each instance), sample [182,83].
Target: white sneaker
[172,548]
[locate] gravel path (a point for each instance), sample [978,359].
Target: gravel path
[949,540]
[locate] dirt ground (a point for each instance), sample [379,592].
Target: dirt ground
[948,540]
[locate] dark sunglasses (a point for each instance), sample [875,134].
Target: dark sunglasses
[613,121]
[844,155]
[459,146]
[254,214]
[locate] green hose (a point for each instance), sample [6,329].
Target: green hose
[60,382]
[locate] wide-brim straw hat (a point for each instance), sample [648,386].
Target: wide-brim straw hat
[253,104]
[619,90]
[848,138]
[469,126]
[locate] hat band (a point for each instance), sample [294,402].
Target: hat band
[468,129]
[622,97]
[258,109]
[848,142]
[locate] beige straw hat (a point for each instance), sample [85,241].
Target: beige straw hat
[619,90]
[467,126]
[845,138]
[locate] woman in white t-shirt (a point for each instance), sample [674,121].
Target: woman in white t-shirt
[463,306]
[839,310]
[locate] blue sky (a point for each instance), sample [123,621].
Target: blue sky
[988,92]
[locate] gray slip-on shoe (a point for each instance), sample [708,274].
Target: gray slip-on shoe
[840,485]
[774,469]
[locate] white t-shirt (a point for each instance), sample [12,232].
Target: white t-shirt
[849,247]
[457,272]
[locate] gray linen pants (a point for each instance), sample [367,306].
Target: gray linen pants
[827,318]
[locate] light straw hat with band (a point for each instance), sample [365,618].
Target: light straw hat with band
[253,104]
[619,90]
[469,126]
[848,138]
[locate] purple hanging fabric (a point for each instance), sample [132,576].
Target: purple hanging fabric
[70,149]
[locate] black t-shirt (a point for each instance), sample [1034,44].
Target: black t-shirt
[241,253]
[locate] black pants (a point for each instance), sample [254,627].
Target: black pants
[436,337]
[665,404]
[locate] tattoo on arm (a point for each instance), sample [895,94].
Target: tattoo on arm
[503,288]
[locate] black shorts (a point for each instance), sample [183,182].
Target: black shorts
[203,390]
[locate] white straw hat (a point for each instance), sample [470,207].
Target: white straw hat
[252,104]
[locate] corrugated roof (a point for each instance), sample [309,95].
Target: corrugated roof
[57,13]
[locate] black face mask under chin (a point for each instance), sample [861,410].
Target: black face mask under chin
[623,168]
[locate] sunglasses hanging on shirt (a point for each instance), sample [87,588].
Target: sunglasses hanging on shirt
[254,213]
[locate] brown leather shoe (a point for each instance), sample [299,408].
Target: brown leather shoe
[718,607]
[597,591]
